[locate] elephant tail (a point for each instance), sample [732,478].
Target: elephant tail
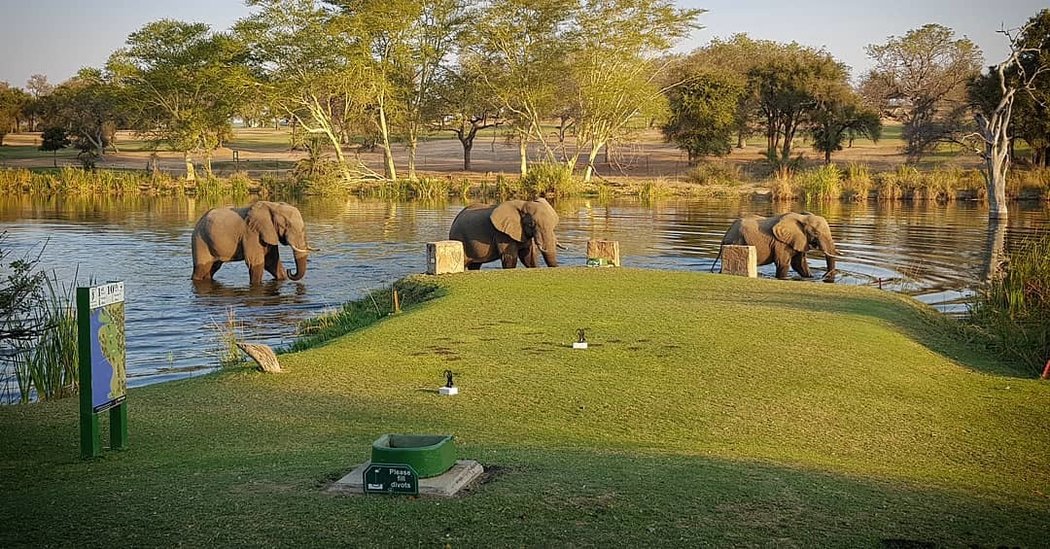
[717,257]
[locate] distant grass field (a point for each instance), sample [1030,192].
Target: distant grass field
[709,410]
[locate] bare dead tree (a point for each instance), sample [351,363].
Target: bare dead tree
[991,141]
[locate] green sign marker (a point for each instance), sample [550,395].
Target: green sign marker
[391,478]
[103,377]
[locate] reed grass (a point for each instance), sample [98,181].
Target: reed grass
[653,189]
[857,182]
[1030,184]
[46,367]
[821,184]
[228,333]
[430,188]
[1013,309]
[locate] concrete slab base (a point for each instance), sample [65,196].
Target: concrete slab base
[447,484]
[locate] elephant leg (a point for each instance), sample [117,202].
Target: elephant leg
[204,271]
[510,261]
[527,255]
[473,266]
[255,273]
[800,265]
[273,264]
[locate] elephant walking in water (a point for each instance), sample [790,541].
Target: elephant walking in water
[783,239]
[250,234]
[513,230]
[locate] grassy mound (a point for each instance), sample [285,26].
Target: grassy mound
[709,409]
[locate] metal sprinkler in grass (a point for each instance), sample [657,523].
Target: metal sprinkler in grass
[450,386]
[581,340]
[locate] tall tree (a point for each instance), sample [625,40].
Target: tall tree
[788,85]
[89,107]
[463,108]
[10,106]
[920,80]
[1017,74]
[184,83]
[39,88]
[613,63]
[311,71]
[704,113]
[519,47]
[840,112]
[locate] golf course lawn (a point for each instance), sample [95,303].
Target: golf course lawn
[708,410]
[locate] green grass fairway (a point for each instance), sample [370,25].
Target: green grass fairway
[709,410]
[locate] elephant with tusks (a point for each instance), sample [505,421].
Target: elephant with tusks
[784,240]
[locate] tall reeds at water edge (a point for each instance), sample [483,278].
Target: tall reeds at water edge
[1013,309]
[38,347]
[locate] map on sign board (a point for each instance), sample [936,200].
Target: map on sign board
[108,373]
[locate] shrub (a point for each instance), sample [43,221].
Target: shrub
[857,182]
[430,188]
[1033,184]
[549,179]
[784,187]
[653,189]
[1013,309]
[715,173]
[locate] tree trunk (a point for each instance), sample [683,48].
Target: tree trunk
[827,157]
[523,155]
[468,144]
[996,245]
[412,144]
[590,162]
[207,165]
[191,174]
[388,155]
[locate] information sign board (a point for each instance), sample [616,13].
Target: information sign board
[391,478]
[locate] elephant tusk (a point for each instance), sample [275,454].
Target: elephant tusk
[836,256]
[561,246]
[306,251]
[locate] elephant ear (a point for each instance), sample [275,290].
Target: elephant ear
[260,220]
[507,219]
[789,231]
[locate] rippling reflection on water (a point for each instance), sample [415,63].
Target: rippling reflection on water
[937,253]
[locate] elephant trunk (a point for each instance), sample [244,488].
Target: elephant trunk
[300,265]
[550,253]
[830,253]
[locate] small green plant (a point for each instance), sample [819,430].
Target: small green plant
[229,333]
[1013,309]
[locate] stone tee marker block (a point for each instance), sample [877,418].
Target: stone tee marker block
[445,256]
[609,250]
[740,261]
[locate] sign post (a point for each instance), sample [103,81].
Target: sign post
[103,378]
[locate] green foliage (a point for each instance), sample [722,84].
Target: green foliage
[550,180]
[431,188]
[228,334]
[839,115]
[54,139]
[821,184]
[38,332]
[715,174]
[857,182]
[69,180]
[651,190]
[1013,309]
[1032,184]
[89,107]
[704,113]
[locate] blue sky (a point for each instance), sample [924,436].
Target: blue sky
[57,37]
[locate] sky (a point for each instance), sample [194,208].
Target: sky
[58,37]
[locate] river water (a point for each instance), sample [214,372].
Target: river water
[937,253]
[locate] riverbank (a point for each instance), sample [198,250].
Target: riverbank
[708,409]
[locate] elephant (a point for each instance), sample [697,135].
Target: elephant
[513,230]
[784,239]
[250,234]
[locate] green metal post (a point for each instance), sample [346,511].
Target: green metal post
[90,443]
[118,427]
